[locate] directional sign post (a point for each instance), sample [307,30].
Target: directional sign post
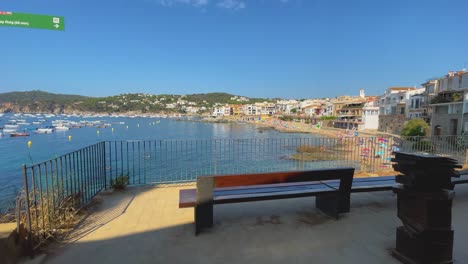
[13,19]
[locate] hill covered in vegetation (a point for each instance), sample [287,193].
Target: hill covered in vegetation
[43,102]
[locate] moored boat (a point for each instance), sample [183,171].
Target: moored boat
[9,130]
[62,128]
[19,134]
[11,126]
[45,130]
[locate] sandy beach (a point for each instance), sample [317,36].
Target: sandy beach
[368,148]
[301,127]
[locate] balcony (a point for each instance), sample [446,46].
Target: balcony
[447,98]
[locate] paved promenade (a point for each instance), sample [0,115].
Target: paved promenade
[144,225]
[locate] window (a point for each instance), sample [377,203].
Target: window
[455,109]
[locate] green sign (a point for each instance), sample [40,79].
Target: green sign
[13,19]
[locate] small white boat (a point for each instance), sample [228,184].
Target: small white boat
[9,130]
[46,130]
[24,123]
[10,126]
[62,128]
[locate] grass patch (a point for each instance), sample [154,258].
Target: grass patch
[119,183]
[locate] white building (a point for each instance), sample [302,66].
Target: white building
[416,106]
[285,106]
[370,115]
[449,105]
[218,111]
[249,109]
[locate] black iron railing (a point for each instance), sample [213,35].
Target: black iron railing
[55,189]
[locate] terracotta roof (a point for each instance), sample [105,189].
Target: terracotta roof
[402,88]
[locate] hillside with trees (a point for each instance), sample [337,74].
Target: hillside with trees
[43,102]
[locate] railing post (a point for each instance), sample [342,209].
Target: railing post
[466,156]
[26,190]
[104,161]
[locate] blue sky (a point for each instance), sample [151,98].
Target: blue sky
[257,48]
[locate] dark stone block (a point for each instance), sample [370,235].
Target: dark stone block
[428,247]
[425,210]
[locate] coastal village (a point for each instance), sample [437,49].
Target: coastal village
[441,102]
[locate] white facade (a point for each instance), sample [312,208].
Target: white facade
[328,109]
[449,106]
[415,107]
[218,111]
[285,106]
[249,109]
[370,115]
[396,96]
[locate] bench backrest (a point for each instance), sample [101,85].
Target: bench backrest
[206,184]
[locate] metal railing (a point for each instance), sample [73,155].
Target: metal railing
[450,146]
[171,161]
[55,188]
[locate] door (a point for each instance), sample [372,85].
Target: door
[453,126]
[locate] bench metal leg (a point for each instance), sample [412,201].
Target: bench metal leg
[345,203]
[203,217]
[329,204]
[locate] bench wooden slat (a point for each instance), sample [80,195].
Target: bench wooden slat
[266,185]
[249,197]
[273,188]
[461,180]
[279,177]
[187,198]
[372,188]
[378,178]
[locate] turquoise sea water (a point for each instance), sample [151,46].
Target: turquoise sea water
[15,152]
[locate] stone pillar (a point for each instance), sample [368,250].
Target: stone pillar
[424,201]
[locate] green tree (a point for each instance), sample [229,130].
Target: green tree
[415,127]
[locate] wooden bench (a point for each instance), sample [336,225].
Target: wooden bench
[385,183]
[222,189]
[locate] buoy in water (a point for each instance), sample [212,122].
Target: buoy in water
[98,132]
[127,127]
[29,144]
[69,138]
[112,130]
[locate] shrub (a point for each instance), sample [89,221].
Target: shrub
[286,118]
[119,183]
[462,141]
[327,118]
[415,128]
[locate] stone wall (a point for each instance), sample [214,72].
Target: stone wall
[391,123]
[443,121]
